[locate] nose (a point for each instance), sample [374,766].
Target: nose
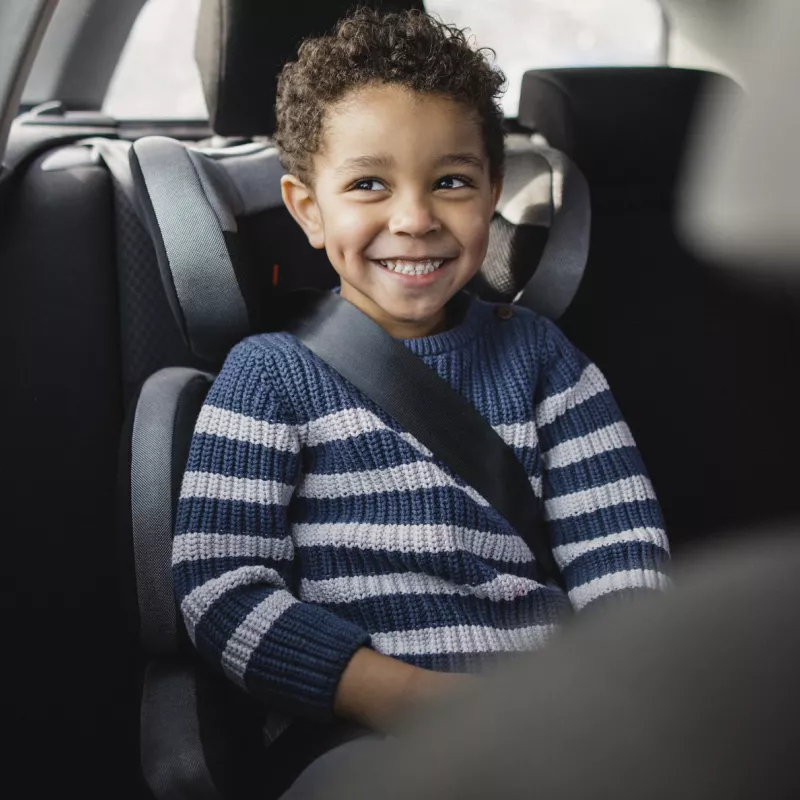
[413,215]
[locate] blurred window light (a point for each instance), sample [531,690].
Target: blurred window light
[533,34]
[157,77]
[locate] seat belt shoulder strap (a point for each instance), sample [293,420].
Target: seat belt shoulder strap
[446,423]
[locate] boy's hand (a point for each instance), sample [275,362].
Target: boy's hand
[375,690]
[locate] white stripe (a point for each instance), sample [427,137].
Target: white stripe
[518,434]
[201,598]
[626,490]
[566,553]
[589,384]
[225,487]
[201,546]
[241,428]
[354,588]
[460,639]
[603,440]
[413,539]
[349,423]
[616,582]
[247,636]
[403,478]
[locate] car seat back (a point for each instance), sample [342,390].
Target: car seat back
[693,356]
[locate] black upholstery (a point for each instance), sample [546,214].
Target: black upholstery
[622,125]
[697,361]
[69,666]
[243,44]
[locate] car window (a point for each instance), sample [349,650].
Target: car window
[157,77]
[528,34]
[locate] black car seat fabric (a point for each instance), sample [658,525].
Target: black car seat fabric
[695,359]
[69,668]
[238,40]
[150,337]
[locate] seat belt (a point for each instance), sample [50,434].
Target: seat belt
[427,407]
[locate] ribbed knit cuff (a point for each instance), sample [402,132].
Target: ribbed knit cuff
[298,665]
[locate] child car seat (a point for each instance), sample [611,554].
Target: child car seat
[198,207]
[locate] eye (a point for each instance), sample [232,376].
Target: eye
[369,185]
[453,182]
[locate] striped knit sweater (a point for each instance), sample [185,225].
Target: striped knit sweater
[309,524]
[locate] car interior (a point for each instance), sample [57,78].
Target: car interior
[135,253]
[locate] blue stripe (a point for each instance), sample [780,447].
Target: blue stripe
[374,450]
[439,505]
[241,459]
[463,568]
[566,369]
[296,670]
[405,612]
[620,557]
[590,473]
[605,521]
[224,616]
[204,515]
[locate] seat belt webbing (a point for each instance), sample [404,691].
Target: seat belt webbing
[426,406]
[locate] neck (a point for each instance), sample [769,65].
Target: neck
[396,328]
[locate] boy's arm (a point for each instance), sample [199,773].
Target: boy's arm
[233,556]
[605,524]
[376,690]
[233,562]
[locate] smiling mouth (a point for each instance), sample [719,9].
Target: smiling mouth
[403,266]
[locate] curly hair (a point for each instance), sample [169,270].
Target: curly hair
[408,48]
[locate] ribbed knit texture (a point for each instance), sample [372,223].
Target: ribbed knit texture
[310,525]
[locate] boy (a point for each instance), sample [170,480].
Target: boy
[323,558]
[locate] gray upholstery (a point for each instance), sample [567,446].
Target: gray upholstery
[163,421]
[173,762]
[194,200]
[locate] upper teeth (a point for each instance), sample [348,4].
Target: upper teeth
[412,267]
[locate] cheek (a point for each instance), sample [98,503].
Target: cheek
[353,229]
[473,231]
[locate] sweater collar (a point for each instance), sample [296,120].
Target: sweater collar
[471,315]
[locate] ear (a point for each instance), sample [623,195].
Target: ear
[299,200]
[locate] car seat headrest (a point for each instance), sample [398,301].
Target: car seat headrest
[620,125]
[191,201]
[209,214]
[241,46]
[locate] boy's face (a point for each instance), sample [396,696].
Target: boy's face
[401,202]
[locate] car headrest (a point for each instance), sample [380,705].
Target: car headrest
[619,124]
[242,45]
[229,253]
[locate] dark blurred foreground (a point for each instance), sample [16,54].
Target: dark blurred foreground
[694,694]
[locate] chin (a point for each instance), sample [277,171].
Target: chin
[415,312]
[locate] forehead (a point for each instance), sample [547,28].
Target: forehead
[408,126]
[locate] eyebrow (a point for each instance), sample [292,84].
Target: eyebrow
[384,161]
[366,162]
[461,159]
